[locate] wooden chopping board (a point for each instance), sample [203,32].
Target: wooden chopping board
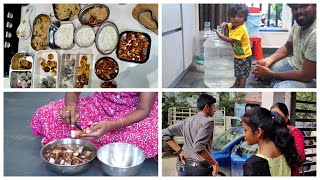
[142,13]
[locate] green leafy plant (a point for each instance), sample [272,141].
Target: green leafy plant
[276,13]
[228,100]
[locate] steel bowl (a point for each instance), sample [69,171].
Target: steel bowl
[69,169]
[76,35]
[120,159]
[106,68]
[84,10]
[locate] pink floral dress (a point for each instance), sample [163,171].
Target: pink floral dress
[101,106]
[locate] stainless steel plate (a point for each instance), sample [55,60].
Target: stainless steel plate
[54,26]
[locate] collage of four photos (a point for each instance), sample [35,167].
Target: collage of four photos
[229,91]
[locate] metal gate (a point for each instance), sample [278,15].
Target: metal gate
[309,167]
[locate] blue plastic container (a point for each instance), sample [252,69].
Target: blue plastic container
[253,23]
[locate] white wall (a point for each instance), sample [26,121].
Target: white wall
[177,44]
[171,17]
[172,58]
[189,17]
[267,99]
[273,39]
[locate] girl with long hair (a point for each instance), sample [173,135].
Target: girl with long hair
[282,109]
[277,153]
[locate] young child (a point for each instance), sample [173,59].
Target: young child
[239,38]
[197,132]
[277,153]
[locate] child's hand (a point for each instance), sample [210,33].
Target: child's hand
[223,25]
[219,34]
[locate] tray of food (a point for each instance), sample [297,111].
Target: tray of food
[46,69]
[84,36]
[106,68]
[107,37]
[83,70]
[66,12]
[67,76]
[61,35]
[94,14]
[20,74]
[39,39]
[134,47]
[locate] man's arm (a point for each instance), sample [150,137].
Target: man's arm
[306,74]
[281,53]
[207,156]
[173,144]
[169,133]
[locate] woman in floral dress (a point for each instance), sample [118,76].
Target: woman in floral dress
[129,117]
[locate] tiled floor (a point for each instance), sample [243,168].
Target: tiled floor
[22,148]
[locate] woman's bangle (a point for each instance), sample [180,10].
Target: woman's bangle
[121,122]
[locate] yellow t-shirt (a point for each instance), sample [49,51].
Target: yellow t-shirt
[278,166]
[242,47]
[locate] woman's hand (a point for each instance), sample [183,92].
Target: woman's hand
[99,129]
[70,114]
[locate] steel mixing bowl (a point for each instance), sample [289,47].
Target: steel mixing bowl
[69,169]
[120,159]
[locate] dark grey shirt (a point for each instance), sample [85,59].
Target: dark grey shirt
[197,132]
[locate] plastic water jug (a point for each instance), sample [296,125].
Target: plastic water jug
[218,64]
[202,37]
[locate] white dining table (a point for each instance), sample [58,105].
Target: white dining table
[131,75]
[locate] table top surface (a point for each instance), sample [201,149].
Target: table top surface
[131,75]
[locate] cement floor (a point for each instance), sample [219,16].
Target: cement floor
[22,148]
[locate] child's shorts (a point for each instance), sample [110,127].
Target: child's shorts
[242,67]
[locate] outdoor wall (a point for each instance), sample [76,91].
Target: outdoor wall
[273,39]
